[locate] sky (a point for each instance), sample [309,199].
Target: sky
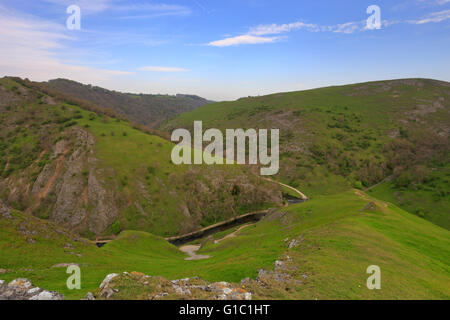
[227,49]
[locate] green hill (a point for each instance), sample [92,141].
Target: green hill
[91,171]
[73,170]
[356,135]
[336,238]
[147,109]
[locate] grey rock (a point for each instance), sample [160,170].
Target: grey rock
[182,291]
[107,293]
[107,280]
[293,244]
[23,289]
[47,295]
[89,296]
[33,291]
[5,212]
[279,265]
[161,295]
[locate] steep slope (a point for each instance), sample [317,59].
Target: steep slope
[354,136]
[147,109]
[94,173]
[320,249]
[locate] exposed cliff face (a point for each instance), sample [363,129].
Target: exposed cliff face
[94,174]
[205,200]
[70,189]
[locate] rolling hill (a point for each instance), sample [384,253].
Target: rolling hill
[147,109]
[392,134]
[315,250]
[368,155]
[93,172]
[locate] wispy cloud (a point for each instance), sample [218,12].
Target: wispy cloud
[146,10]
[131,11]
[88,6]
[433,17]
[434,2]
[260,33]
[33,47]
[244,39]
[281,28]
[162,69]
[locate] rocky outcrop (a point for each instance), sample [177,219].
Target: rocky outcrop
[115,286]
[4,211]
[220,194]
[23,289]
[72,187]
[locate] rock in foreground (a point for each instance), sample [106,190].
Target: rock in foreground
[138,286]
[23,289]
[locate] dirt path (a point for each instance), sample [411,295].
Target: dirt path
[233,234]
[191,251]
[382,181]
[304,197]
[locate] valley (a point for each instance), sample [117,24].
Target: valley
[363,181]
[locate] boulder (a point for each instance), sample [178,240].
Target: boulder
[23,289]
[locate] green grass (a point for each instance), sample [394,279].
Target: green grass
[336,138]
[340,242]
[429,199]
[151,193]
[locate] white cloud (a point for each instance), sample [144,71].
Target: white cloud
[277,29]
[34,48]
[433,17]
[87,6]
[162,69]
[435,2]
[256,35]
[244,39]
[349,27]
[148,11]
[143,10]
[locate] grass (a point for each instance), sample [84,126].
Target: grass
[337,138]
[428,199]
[151,193]
[340,242]
[341,132]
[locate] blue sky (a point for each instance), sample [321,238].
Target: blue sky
[223,50]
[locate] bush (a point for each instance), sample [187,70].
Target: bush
[116,227]
[358,185]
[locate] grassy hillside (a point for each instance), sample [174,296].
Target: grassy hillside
[148,109]
[427,199]
[338,236]
[96,174]
[357,135]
